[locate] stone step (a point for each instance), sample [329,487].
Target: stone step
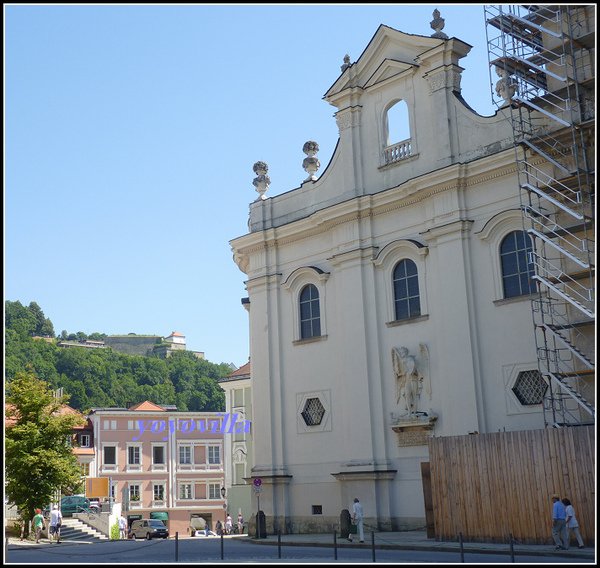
[75,529]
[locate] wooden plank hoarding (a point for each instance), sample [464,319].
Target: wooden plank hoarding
[488,486]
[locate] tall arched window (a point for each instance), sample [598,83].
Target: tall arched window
[310,314]
[517,270]
[398,128]
[406,290]
[397,143]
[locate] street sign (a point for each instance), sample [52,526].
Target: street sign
[257,489]
[257,482]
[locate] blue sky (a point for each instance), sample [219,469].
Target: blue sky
[130,135]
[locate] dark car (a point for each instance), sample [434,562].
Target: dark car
[71,504]
[148,529]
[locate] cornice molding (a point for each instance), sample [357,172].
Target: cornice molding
[458,177]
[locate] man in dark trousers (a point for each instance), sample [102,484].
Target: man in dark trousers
[559,523]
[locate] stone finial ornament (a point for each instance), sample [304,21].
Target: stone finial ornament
[346,62]
[311,164]
[437,25]
[262,181]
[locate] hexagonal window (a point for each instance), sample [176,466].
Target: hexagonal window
[313,412]
[530,388]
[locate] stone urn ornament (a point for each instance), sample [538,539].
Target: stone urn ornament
[437,25]
[311,164]
[262,181]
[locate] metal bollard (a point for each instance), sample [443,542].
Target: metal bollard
[512,548]
[462,550]
[222,554]
[373,544]
[176,546]
[334,545]
[279,544]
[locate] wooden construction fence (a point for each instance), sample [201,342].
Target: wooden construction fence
[488,486]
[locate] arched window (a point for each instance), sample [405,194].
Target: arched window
[397,123]
[310,315]
[517,269]
[407,302]
[397,143]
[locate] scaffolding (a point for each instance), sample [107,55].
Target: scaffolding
[544,56]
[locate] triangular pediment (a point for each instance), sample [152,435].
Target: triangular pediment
[389,69]
[389,45]
[147,406]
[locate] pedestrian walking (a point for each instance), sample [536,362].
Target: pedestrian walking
[38,524]
[122,527]
[240,523]
[559,524]
[228,524]
[357,519]
[55,524]
[572,524]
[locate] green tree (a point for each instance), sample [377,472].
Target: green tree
[96,336]
[38,458]
[43,326]
[19,318]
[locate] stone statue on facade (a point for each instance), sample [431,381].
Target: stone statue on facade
[346,62]
[505,87]
[412,376]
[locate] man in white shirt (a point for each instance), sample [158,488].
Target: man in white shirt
[55,522]
[122,527]
[357,519]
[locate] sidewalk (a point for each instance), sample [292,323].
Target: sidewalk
[407,540]
[417,540]
[16,541]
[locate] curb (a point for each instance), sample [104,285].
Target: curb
[467,548]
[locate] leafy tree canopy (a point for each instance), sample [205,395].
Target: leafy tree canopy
[38,458]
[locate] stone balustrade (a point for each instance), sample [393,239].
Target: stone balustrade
[397,152]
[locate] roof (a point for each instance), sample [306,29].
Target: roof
[243,370]
[242,373]
[84,451]
[147,406]
[9,421]
[64,409]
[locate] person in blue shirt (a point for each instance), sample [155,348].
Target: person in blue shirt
[559,524]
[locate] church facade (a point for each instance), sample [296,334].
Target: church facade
[390,296]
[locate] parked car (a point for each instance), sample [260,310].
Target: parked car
[197,524]
[69,505]
[148,529]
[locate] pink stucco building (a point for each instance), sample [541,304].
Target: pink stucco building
[162,463]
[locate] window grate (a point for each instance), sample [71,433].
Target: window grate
[313,412]
[530,387]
